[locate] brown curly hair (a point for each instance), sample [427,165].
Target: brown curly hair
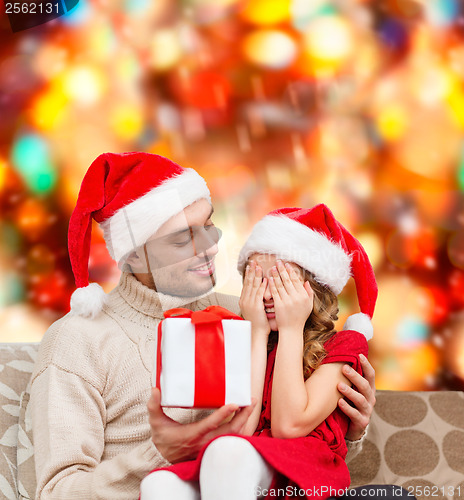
[319,326]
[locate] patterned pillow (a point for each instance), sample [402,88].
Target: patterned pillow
[415,440]
[25,454]
[16,364]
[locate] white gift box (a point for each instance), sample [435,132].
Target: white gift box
[180,359]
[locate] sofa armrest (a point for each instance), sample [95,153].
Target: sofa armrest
[415,440]
[16,365]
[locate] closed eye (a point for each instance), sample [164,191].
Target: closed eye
[183,243]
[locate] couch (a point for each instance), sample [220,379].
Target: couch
[415,439]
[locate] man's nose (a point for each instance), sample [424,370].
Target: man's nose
[206,241]
[212,250]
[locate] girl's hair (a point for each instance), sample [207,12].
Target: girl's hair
[319,327]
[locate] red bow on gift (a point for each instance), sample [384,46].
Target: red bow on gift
[210,377]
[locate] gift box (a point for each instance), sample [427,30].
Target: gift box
[203,358]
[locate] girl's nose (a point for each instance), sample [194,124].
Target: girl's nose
[267,293]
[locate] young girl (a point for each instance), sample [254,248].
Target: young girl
[295,263]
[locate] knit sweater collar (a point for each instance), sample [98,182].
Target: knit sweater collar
[131,298]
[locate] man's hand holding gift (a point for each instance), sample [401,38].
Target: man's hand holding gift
[203,360]
[179,442]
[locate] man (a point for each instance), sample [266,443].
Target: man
[93,436]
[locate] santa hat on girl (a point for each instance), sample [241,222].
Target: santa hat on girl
[316,241]
[130,195]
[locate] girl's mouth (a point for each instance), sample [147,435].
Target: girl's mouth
[270,312]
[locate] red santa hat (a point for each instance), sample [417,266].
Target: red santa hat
[316,241]
[130,195]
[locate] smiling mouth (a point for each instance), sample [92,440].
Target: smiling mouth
[206,269]
[270,311]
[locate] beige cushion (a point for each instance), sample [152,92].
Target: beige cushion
[16,364]
[415,440]
[25,455]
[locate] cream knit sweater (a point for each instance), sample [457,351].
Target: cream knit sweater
[90,388]
[89,395]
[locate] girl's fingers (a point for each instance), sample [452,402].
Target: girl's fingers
[246,283]
[284,276]
[272,286]
[262,289]
[294,276]
[308,289]
[258,278]
[277,281]
[256,291]
[249,274]
[252,290]
[369,375]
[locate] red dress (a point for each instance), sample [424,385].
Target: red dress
[314,463]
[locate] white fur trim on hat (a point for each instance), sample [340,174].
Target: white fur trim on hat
[294,242]
[361,323]
[88,301]
[132,225]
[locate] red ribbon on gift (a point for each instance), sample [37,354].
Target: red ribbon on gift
[210,379]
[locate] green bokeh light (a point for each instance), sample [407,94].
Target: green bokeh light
[31,159]
[460,172]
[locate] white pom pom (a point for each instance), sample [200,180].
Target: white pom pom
[88,301]
[361,323]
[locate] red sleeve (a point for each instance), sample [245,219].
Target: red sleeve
[345,347]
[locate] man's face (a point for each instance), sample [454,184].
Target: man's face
[181,253]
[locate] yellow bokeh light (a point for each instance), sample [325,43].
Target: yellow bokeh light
[388,375]
[392,380]
[101,41]
[430,145]
[329,40]
[266,12]
[373,247]
[84,84]
[399,299]
[49,108]
[126,68]
[165,49]
[407,369]
[455,100]
[2,173]
[127,121]
[392,122]
[418,364]
[439,81]
[270,48]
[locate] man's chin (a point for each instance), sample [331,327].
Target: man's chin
[200,288]
[193,290]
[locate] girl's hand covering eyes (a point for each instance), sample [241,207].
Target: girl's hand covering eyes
[293,299]
[251,299]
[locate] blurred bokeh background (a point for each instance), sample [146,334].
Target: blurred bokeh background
[355,103]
